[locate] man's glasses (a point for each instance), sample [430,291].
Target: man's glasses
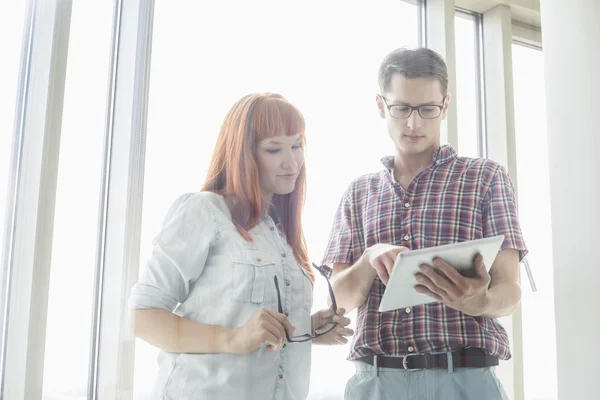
[320,331]
[426,111]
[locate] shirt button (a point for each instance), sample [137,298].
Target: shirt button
[287,283]
[271,228]
[258,260]
[407,309]
[280,376]
[411,349]
[406,205]
[286,314]
[283,255]
[407,237]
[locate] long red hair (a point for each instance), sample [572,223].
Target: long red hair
[233,169]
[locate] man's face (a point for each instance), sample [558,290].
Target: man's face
[414,135]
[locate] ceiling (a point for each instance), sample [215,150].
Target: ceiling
[523,11]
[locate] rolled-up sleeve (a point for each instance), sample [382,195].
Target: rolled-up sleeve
[345,244]
[500,216]
[178,256]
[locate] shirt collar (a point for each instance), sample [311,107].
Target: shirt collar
[442,155]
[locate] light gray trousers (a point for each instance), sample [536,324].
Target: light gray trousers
[432,384]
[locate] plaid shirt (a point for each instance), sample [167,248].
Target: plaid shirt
[454,199]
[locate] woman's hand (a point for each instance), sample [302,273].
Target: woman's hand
[339,333]
[264,327]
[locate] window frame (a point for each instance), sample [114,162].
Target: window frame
[34,168]
[477,19]
[112,351]
[31,195]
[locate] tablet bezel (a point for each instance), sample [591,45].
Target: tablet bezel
[460,255]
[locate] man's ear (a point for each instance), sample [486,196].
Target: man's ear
[380,106]
[446,105]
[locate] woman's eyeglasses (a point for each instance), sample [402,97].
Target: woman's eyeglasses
[320,331]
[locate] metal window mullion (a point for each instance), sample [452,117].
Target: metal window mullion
[113,343]
[103,204]
[527,35]
[440,37]
[481,110]
[500,144]
[422,23]
[31,197]
[528,45]
[6,259]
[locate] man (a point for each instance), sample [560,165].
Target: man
[425,196]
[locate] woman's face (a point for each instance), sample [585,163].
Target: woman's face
[279,160]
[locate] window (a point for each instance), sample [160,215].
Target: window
[328,70]
[11,30]
[77,201]
[467,84]
[539,340]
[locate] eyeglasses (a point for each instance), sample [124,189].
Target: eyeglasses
[322,330]
[426,111]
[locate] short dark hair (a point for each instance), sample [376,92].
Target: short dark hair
[419,62]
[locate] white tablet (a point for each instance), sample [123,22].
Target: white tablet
[400,291]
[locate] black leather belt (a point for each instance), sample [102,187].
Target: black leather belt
[471,357]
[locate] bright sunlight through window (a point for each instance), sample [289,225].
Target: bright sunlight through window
[323,56]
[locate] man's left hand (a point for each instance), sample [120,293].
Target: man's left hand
[445,284]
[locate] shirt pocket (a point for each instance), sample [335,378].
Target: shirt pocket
[252,276]
[307,290]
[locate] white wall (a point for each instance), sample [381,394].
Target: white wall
[570,32]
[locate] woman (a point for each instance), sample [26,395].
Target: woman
[208,298]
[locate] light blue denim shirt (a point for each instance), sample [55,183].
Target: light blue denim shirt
[203,270]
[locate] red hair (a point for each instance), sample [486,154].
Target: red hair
[233,169]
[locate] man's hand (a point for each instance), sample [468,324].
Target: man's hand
[445,284]
[382,258]
[339,333]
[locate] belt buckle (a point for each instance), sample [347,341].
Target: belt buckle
[405,362]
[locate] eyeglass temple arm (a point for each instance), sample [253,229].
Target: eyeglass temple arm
[333,302]
[278,295]
[279,308]
[331,295]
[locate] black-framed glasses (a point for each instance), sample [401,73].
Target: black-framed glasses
[320,331]
[403,111]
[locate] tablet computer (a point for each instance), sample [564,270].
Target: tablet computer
[400,291]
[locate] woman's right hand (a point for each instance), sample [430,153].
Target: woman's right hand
[265,326]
